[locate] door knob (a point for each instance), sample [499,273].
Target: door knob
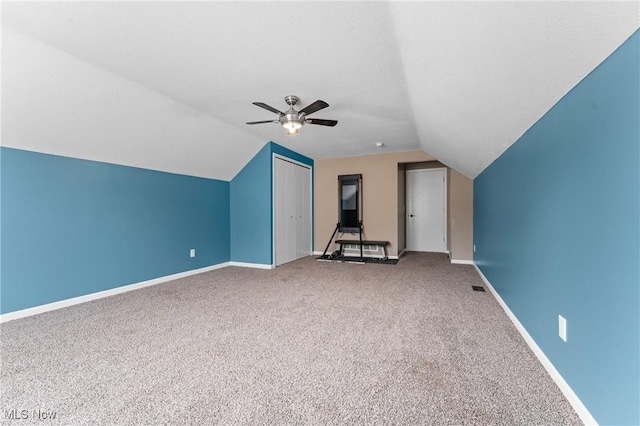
[411,215]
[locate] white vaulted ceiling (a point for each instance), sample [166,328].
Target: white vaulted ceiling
[169,85]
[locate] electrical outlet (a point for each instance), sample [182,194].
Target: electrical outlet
[474,248]
[562,327]
[192,253]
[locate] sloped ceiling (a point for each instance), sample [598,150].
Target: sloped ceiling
[169,85]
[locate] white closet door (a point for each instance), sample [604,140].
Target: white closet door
[292,211]
[290,201]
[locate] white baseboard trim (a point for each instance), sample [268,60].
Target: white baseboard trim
[105,293]
[571,396]
[462,262]
[317,253]
[251,265]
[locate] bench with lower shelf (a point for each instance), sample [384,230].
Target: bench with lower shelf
[382,244]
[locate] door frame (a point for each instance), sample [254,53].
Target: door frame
[275,156]
[445,183]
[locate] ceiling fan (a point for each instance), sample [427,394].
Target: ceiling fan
[293,120]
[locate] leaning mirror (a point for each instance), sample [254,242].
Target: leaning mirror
[350,202]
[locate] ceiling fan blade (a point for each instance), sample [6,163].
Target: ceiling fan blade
[316,106]
[267,107]
[261,122]
[321,121]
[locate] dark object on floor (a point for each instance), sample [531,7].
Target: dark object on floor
[477,288]
[383,261]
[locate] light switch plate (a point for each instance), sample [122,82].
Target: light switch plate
[562,327]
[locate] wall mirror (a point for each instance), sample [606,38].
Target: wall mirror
[350,202]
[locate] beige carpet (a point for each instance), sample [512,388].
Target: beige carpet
[307,343]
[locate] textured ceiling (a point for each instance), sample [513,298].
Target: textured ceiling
[169,85]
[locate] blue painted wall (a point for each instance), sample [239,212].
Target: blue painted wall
[73,227]
[557,232]
[251,206]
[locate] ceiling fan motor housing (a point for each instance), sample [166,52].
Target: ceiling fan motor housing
[292,119]
[291,116]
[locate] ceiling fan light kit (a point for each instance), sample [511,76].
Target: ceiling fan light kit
[293,120]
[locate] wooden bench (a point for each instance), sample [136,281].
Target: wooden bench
[382,244]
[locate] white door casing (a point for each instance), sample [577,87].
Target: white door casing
[426,210]
[303,210]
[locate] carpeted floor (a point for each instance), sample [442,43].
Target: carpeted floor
[307,343]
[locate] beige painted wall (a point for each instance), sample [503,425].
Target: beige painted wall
[460,216]
[383,180]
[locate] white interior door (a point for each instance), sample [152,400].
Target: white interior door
[426,210]
[291,210]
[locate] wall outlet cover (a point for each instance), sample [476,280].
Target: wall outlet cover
[192,253]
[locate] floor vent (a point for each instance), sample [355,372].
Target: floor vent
[477,288]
